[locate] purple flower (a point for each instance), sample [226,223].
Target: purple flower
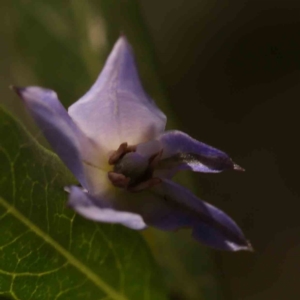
[113,140]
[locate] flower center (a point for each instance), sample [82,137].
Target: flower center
[132,171]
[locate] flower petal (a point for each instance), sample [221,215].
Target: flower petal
[116,109]
[209,225]
[181,152]
[149,148]
[57,126]
[167,206]
[98,210]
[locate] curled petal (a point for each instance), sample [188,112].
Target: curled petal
[98,210]
[210,225]
[180,152]
[116,109]
[166,206]
[57,126]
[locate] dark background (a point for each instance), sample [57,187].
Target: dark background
[231,70]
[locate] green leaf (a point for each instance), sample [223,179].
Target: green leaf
[49,252]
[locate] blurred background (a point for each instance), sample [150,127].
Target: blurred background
[227,73]
[231,70]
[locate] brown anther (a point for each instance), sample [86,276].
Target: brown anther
[154,159]
[118,180]
[134,180]
[145,185]
[115,156]
[123,149]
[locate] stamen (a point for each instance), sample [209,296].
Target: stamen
[117,154]
[118,180]
[133,171]
[123,149]
[154,159]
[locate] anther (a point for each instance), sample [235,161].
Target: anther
[154,159]
[123,149]
[118,180]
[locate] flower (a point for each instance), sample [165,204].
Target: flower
[113,140]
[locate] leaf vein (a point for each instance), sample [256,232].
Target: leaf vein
[70,258]
[39,274]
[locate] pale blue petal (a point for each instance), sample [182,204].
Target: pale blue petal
[99,210]
[116,109]
[180,152]
[167,207]
[180,208]
[149,148]
[57,126]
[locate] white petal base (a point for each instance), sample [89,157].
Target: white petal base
[83,204]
